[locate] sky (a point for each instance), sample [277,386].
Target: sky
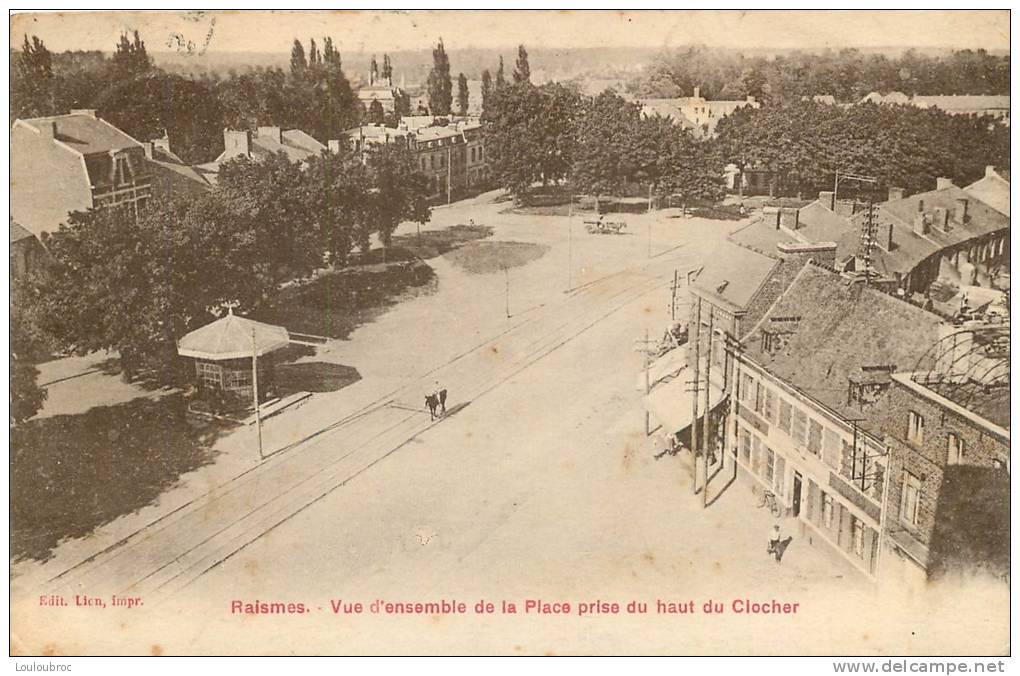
[364,30]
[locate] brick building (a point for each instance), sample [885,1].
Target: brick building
[811,378]
[949,425]
[451,156]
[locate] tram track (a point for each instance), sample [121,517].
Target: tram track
[317,473]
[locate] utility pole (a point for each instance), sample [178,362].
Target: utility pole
[570,243]
[449,172]
[868,242]
[694,399]
[706,433]
[648,385]
[676,284]
[506,272]
[255,390]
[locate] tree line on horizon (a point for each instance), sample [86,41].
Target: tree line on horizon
[848,75]
[145,101]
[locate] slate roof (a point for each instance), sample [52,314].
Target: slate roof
[18,232]
[815,224]
[843,327]
[165,160]
[85,133]
[993,190]
[733,274]
[819,224]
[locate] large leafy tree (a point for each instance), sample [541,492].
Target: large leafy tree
[27,345]
[802,144]
[32,80]
[604,160]
[398,192]
[530,134]
[272,195]
[319,97]
[130,58]
[339,203]
[255,97]
[439,85]
[847,74]
[154,102]
[111,287]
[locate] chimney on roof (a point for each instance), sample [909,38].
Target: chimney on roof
[697,92]
[896,194]
[271,133]
[920,206]
[990,170]
[237,141]
[885,235]
[922,223]
[91,112]
[751,99]
[162,143]
[789,217]
[941,218]
[960,216]
[48,129]
[827,198]
[820,253]
[148,146]
[333,145]
[941,183]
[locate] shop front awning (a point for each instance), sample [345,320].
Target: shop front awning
[671,403]
[668,366]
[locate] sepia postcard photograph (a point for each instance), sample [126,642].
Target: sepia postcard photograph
[510,332]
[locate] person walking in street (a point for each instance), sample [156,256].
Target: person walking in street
[774,539]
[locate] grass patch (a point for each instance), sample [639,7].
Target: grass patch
[314,376]
[479,258]
[548,210]
[73,473]
[337,303]
[433,243]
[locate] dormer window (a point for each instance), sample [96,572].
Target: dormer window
[122,170]
[866,387]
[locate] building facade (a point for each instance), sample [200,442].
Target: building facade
[811,380]
[70,163]
[947,429]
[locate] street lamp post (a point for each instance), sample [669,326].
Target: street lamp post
[255,391]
